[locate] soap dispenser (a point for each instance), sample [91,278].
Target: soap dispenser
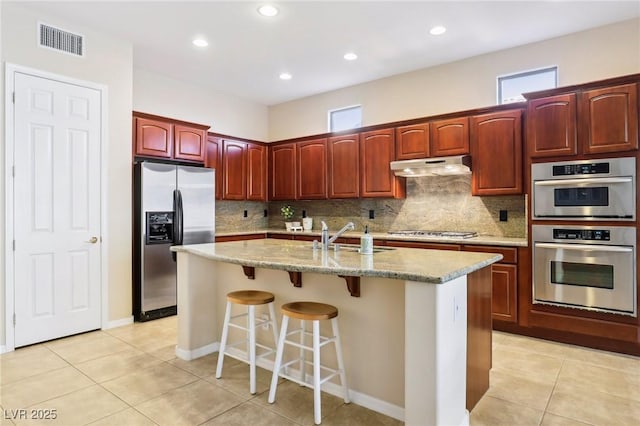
[366,242]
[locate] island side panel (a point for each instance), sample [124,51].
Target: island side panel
[197,307]
[435,353]
[479,324]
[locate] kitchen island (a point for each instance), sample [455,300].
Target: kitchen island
[408,317]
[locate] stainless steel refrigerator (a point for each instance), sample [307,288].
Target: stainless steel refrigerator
[174,205]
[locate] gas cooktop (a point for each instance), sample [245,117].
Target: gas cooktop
[435,234]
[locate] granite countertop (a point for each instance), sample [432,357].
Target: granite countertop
[429,266]
[479,240]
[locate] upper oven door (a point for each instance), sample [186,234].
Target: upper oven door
[611,198]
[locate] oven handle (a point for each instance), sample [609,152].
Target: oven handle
[589,181]
[585,247]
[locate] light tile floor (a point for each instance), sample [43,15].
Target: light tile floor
[130,376]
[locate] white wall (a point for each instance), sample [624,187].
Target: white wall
[109,62]
[596,54]
[159,95]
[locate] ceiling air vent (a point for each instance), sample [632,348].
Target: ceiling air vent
[61,40]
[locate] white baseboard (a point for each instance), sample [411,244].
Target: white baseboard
[197,353]
[119,323]
[4,349]
[334,389]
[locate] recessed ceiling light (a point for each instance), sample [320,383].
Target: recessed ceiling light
[437,30]
[200,42]
[350,56]
[268,10]
[285,76]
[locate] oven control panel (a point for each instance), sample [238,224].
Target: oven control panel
[581,169]
[582,234]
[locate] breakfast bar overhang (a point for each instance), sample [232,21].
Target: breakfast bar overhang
[415,323]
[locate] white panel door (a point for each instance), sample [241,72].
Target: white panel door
[57,209]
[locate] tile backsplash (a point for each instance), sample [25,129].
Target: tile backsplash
[432,203]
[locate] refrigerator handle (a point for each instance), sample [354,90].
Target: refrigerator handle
[177,220]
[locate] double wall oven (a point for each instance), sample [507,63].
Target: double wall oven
[590,266]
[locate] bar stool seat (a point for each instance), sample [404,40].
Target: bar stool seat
[251,299]
[314,312]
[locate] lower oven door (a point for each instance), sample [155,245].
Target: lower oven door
[587,276]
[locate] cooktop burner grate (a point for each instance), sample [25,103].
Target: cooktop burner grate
[435,234]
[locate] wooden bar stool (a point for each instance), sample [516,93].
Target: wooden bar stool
[250,298]
[315,312]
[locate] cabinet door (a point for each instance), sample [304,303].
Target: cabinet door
[153,138]
[551,126]
[282,169]
[189,143]
[496,152]
[234,170]
[609,119]
[504,297]
[344,166]
[256,172]
[450,137]
[377,150]
[412,142]
[213,160]
[311,169]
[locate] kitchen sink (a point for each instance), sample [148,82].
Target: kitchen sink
[354,248]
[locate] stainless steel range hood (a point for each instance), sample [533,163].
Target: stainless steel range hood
[437,166]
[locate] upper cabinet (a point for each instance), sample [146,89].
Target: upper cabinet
[165,138]
[256,172]
[312,170]
[551,126]
[213,160]
[377,150]
[234,169]
[282,167]
[450,137]
[412,142]
[153,138]
[496,153]
[343,166]
[589,121]
[608,119]
[189,143]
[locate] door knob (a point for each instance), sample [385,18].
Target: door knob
[92,240]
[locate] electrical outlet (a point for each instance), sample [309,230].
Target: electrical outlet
[372,214]
[245,214]
[304,214]
[265,317]
[265,213]
[503,216]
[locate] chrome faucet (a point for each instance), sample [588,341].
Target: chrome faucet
[325,234]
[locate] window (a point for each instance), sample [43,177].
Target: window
[345,118]
[512,86]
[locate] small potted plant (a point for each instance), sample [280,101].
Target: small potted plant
[287,213]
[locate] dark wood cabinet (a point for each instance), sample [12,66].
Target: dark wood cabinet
[213,160]
[256,172]
[377,150]
[412,142]
[189,143]
[608,119]
[551,126]
[504,282]
[311,169]
[449,137]
[282,169]
[153,138]
[343,166]
[496,153]
[162,137]
[234,169]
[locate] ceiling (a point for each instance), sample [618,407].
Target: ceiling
[247,52]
